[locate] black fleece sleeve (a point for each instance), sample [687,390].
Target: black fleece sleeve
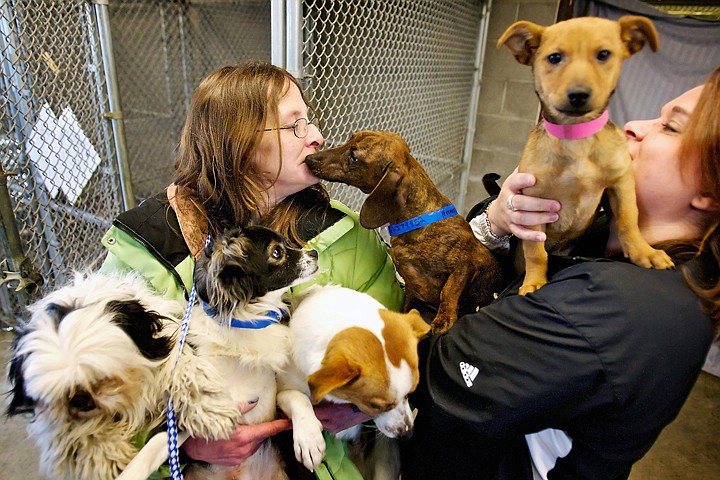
[514,367]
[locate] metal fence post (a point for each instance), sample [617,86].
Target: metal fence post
[293,37]
[474,97]
[277,32]
[115,114]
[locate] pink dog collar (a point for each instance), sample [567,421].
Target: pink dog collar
[577,131]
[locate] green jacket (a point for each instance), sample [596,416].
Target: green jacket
[148,240]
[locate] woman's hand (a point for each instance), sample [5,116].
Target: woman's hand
[246,439]
[336,417]
[529,211]
[243,442]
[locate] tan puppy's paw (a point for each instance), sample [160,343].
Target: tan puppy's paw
[530,288]
[651,258]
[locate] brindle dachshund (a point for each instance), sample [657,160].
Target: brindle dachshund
[575,153]
[442,263]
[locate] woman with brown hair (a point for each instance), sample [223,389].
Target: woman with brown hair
[578,379]
[242,160]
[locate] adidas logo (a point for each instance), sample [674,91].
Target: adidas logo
[468,372]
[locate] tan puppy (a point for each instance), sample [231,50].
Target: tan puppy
[575,153]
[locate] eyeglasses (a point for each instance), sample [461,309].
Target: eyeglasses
[300,127]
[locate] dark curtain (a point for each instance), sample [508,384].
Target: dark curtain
[689,51]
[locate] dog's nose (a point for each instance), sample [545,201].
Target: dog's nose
[405,434]
[578,98]
[311,159]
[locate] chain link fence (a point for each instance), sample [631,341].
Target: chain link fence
[57,179]
[401,65]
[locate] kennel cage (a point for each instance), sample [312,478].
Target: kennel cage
[94,94]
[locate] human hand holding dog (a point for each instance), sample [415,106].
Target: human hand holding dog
[243,442]
[246,439]
[529,211]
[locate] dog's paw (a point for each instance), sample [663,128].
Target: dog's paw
[211,419]
[442,322]
[439,327]
[204,406]
[652,258]
[308,442]
[530,288]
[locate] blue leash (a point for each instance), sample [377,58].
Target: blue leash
[172,430]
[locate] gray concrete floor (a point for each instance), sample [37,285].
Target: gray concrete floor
[688,449]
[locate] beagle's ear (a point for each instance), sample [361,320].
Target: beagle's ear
[523,40]
[420,327]
[383,199]
[335,372]
[635,32]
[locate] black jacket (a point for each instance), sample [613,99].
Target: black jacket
[606,351]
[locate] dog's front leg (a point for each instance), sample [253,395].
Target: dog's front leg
[536,264]
[624,205]
[293,400]
[449,297]
[205,408]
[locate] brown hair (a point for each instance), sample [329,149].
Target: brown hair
[224,126]
[702,138]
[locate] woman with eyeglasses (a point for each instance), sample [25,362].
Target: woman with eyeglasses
[242,160]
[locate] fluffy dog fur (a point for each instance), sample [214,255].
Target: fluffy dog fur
[443,265]
[94,366]
[243,276]
[574,81]
[97,360]
[350,349]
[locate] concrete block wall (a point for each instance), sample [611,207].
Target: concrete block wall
[507,107]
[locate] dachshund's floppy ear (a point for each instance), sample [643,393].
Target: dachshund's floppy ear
[387,196]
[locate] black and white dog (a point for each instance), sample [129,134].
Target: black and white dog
[96,360]
[242,327]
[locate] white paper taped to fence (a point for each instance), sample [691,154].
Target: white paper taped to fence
[62,152]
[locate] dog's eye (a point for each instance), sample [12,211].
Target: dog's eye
[278,252]
[82,402]
[603,55]
[353,158]
[554,58]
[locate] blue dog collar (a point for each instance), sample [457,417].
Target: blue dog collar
[422,220]
[271,317]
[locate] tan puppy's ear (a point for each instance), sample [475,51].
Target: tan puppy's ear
[419,326]
[523,40]
[375,211]
[334,373]
[635,32]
